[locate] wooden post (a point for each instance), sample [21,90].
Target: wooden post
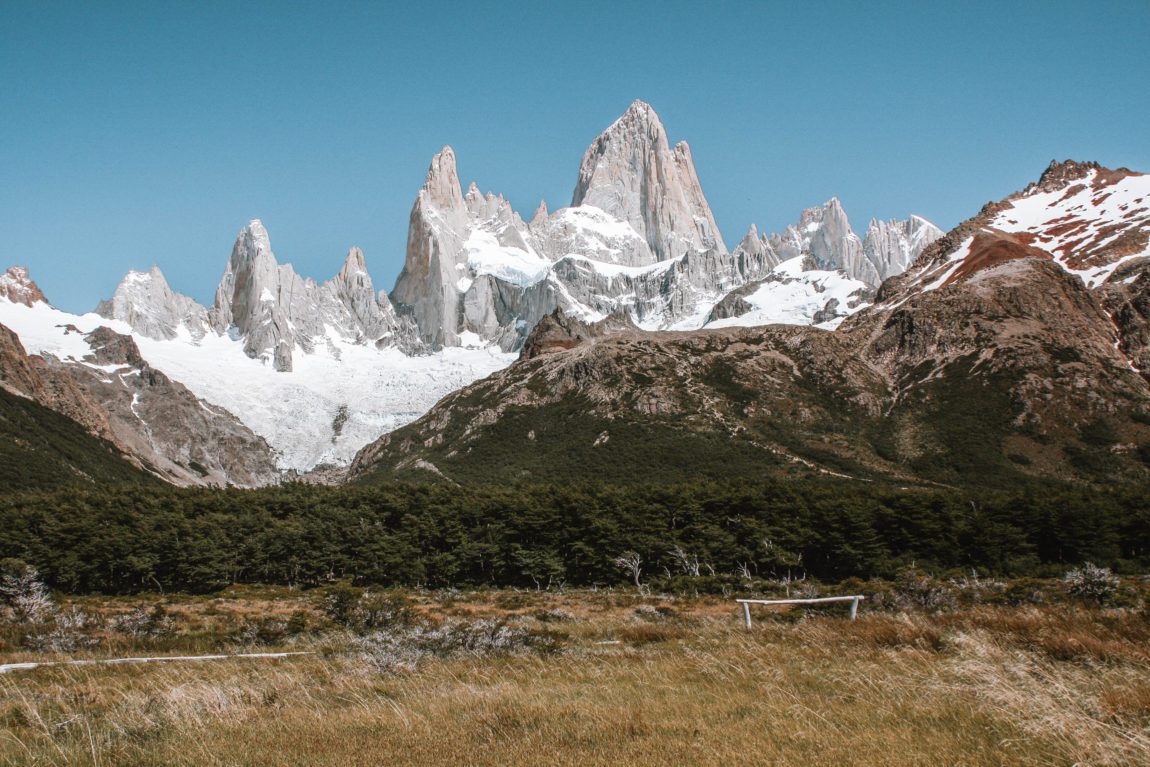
[854,608]
[747,613]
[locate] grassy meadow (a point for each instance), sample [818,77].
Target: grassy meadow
[581,678]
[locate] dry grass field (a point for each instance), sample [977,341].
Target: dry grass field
[501,678]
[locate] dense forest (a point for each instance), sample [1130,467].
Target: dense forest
[135,538]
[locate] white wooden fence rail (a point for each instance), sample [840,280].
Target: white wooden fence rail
[746,603]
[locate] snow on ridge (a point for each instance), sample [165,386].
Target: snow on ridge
[594,220]
[616,270]
[948,267]
[1076,223]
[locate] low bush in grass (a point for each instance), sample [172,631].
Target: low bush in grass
[404,647]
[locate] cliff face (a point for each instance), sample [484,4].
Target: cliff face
[631,173]
[32,377]
[275,311]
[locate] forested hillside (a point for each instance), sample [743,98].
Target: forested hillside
[41,450]
[125,540]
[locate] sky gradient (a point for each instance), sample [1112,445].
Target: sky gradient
[134,134]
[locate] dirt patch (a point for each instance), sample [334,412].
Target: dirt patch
[1107,177]
[1071,191]
[989,250]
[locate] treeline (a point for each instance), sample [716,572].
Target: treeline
[132,539]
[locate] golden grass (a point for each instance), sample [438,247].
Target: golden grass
[971,688]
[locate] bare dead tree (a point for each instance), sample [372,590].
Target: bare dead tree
[631,563]
[688,563]
[26,596]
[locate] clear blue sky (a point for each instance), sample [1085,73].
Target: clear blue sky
[141,133]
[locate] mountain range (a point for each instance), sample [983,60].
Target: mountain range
[1013,346]
[620,332]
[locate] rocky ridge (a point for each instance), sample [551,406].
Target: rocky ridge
[631,173]
[268,305]
[155,423]
[639,237]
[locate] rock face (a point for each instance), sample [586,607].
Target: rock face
[558,332]
[755,253]
[168,429]
[31,377]
[154,422]
[266,304]
[892,246]
[151,308]
[275,310]
[16,372]
[631,173]
[428,287]
[471,274]
[818,271]
[18,287]
[639,237]
[824,234]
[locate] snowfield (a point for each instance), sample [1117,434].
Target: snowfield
[296,412]
[790,295]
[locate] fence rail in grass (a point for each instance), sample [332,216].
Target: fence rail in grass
[854,599]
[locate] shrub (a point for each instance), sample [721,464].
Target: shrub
[1092,583]
[366,610]
[404,647]
[555,615]
[140,622]
[24,594]
[915,590]
[66,632]
[262,631]
[339,603]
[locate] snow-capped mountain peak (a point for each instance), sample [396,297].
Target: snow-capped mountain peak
[631,172]
[18,287]
[319,368]
[144,301]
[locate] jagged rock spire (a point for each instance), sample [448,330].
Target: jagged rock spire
[754,253]
[631,172]
[442,184]
[540,215]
